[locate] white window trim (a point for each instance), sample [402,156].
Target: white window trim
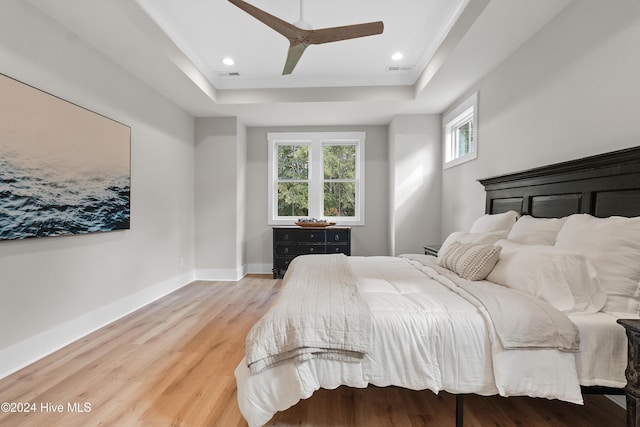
[459,115]
[316,140]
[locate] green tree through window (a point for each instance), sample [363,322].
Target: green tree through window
[339,180]
[293,180]
[316,174]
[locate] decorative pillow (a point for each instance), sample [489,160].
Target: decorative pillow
[565,279]
[613,246]
[536,231]
[462,237]
[469,260]
[495,222]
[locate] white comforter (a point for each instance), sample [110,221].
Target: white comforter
[317,315]
[425,336]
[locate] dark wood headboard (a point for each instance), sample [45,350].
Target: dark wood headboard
[602,185]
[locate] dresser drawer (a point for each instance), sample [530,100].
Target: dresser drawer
[338,236]
[339,249]
[311,236]
[286,250]
[284,235]
[311,249]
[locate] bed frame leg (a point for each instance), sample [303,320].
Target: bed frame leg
[459,410]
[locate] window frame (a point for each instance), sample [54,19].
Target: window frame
[316,142]
[463,113]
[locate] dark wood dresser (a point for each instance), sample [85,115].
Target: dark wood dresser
[289,242]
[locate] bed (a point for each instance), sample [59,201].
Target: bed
[410,322]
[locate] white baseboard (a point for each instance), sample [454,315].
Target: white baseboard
[32,349]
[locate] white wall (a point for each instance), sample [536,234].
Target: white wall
[371,239]
[571,91]
[55,289]
[415,164]
[221,196]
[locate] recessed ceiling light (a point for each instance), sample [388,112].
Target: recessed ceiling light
[397,56]
[228,61]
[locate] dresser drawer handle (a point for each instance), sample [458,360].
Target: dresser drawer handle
[311,249]
[311,236]
[337,238]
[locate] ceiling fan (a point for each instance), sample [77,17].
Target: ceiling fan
[301,35]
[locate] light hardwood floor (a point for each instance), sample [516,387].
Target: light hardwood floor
[171,363]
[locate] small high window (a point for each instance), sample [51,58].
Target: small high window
[460,130]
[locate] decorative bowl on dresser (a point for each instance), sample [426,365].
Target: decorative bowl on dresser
[289,242]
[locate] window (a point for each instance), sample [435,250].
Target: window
[461,133]
[318,175]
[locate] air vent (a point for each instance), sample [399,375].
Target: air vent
[227,74]
[397,68]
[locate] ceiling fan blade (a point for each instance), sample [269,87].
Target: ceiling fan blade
[283,27]
[293,56]
[333,34]
[300,38]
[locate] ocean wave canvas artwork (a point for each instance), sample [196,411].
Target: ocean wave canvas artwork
[63,169]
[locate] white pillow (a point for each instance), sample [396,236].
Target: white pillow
[536,231]
[495,222]
[565,279]
[462,237]
[613,246]
[471,261]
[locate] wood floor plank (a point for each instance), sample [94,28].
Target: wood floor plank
[171,363]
